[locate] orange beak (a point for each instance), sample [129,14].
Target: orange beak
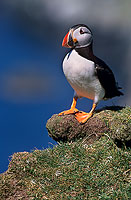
[65,41]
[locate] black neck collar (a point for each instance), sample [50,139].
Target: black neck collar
[86,52]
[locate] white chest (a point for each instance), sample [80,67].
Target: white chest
[80,73]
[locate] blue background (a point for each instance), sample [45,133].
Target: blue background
[32,85]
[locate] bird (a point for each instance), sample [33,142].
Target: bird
[87,74]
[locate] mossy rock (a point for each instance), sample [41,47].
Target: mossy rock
[67,128]
[116,121]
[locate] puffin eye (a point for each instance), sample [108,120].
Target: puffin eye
[81,31]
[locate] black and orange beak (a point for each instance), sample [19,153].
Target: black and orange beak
[65,41]
[68,40]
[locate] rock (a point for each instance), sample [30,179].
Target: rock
[67,128]
[115,120]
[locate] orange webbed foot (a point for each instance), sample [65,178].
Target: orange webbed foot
[70,111]
[82,117]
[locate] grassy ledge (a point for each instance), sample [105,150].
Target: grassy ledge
[71,170]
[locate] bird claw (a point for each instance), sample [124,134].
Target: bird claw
[82,117]
[70,111]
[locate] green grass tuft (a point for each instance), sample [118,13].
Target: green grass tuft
[71,171]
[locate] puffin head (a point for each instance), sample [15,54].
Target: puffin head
[78,36]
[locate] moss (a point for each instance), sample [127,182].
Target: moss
[67,128]
[119,123]
[114,120]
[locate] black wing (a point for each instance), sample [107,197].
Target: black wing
[107,79]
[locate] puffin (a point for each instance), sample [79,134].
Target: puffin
[88,75]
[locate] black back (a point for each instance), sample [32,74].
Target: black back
[103,72]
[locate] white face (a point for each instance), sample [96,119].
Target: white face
[83,36]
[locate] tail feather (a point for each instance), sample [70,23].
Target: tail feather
[113,93]
[119,93]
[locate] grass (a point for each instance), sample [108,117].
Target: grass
[70,171]
[75,170]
